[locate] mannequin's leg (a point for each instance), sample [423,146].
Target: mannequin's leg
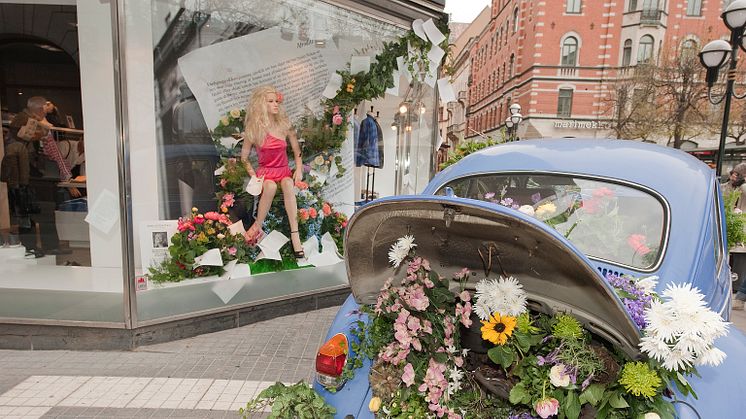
[265,202]
[291,206]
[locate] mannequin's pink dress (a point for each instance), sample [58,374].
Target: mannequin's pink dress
[273,159]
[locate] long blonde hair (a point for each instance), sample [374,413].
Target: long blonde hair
[258,121]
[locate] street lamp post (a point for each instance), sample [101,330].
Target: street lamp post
[714,55]
[514,120]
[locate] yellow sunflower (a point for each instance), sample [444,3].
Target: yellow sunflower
[498,329]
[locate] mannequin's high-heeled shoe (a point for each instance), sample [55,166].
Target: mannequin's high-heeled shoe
[299,254]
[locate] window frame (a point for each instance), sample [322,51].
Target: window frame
[691,5]
[627,53]
[560,98]
[564,61]
[641,56]
[574,7]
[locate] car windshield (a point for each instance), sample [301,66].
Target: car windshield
[604,220]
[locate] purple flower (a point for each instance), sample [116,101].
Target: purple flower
[633,297]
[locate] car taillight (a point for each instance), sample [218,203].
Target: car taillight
[330,361]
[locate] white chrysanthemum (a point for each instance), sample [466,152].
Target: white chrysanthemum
[397,254]
[648,284]
[407,242]
[655,348]
[482,310]
[691,341]
[505,296]
[660,321]
[714,325]
[684,298]
[712,356]
[678,360]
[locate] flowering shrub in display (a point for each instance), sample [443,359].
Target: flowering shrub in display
[197,234]
[536,364]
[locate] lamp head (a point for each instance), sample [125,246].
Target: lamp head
[516,118]
[715,53]
[734,15]
[514,109]
[509,123]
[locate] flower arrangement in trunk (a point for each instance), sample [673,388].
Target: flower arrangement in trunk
[528,364]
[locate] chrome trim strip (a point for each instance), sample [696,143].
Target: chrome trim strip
[55,322]
[667,212]
[218,310]
[123,163]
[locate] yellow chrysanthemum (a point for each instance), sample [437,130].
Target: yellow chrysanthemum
[498,328]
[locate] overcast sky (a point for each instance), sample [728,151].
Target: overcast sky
[465,10]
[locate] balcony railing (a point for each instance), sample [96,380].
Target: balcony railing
[651,16]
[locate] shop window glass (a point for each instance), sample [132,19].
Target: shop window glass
[694,7]
[60,238]
[206,61]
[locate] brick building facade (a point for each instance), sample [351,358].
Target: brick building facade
[558,58]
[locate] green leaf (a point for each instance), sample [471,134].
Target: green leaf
[518,394]
[592,394]
[572,405]
[501,355]
[617,402]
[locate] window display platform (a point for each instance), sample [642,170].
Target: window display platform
[68,308]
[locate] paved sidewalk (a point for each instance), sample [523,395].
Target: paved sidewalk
[208,376]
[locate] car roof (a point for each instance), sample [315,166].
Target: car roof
[668,171]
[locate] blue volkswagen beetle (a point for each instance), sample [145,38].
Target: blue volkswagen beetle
[667,220]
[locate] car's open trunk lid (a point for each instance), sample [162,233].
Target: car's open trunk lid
[450,232]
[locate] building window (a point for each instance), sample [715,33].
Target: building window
[570,52]
[515,20]
[573,6]
[627,53]
[689,48]
[694,8]
[632,6]
[512,64]
[645,50]
[564,103]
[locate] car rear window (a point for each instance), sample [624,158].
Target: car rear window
[608,221]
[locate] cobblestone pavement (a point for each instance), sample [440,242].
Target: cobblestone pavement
[208,376]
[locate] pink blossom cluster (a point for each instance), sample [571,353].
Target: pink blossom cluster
[420,328]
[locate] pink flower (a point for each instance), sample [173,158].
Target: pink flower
[336,109]
[408,376]
[416,344]
[547,407]
[591,206]
[232,160]
[465,296]
[303,214]
[413,324]
[489,195]
[344,224]
[337,119]
[603,192]
[458,361]
[462,274]
[326,209]
[232,251]
[229,199]
[199,218]
[312,212]
[417,298]
[212,215]
[223,182]
[637,243]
